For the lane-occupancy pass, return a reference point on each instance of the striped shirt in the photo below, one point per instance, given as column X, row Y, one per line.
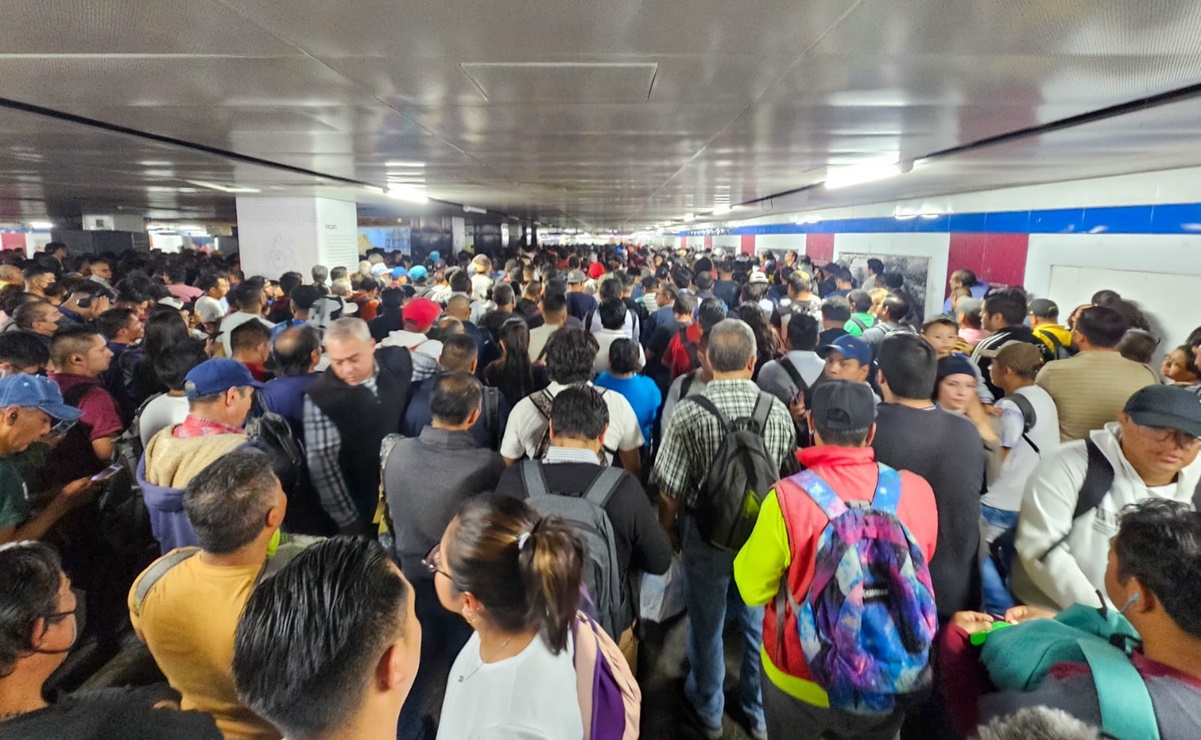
column 1091, row 389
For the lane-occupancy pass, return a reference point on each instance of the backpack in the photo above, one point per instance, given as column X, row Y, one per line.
column 692, row 348
column 610, row 700
column 739, row 477
column 272, row 434
column 586, row 514
column 869, row 620
column 795, row 376
column 1019, row 658
column 1057, row 350
column 1029, row 418
column 860, row 323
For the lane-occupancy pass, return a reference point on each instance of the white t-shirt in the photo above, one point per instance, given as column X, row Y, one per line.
column 1006, row 491
column 605, row 339
column 162, row 412
column 526, row 425
column 531, row 696
column 208, row 309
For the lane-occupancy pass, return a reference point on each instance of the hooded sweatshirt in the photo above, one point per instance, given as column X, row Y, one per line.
column 1075, row 571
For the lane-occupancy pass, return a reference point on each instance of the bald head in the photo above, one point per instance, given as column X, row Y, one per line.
column 459, row 306
column 297, row 350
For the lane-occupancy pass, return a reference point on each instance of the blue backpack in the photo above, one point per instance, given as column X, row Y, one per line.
column 869, row 619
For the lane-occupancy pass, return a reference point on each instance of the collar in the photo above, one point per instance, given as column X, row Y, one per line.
column 556, row 386
column 555, row 454
column 206, row 427
column 829, row 455
column 737, row 384
column 73, row 378
column 455, row 440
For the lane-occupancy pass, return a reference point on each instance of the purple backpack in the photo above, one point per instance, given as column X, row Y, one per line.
column 869, row 619
column 610, row 700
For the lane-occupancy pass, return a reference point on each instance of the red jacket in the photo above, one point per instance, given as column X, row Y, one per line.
column 852, row 474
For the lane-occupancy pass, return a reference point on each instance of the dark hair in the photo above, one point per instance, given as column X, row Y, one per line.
column 112, row 321
column 69, row 340
column 1104, row 297
column 22, row 349
column 570, row 354
column 455, row 396
column 1159, row 543
column 704, row 280
column 1134, row 316
column 1103, row 327
column 172, row 366
column 897, row 305
column 1140, row 346
column 650, row 284
column 249, row 335
column 609, row 290
column 553, row 302
column 893, row 280
column 624, row 357
column 247, row 295
column 860, row 300
column 765, row 337
column 34, row 268
column 681, row 277
column 30, row 576
column 579, row 412
column 612, row 313
column 294, row 348
column 711, row 312
column 458, row 352
column 502, row 294
column 228, row 500
column 28, row 313
column 909, row 364
column 513, row 373
column 289, row 282
column 209, row 280
column 965, row 276
column 535, row 586
column 1009, row 302
column 803, row 332
column 390, row 299
column 311, row 636
column 836, row 308
column 460, row 281
column 875, row 265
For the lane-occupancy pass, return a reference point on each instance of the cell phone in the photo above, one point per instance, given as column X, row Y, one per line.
column 107, row 473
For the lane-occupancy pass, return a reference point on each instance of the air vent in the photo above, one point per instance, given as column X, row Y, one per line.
column 563, row 82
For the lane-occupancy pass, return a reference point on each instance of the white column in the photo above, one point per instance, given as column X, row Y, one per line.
column 277, row 235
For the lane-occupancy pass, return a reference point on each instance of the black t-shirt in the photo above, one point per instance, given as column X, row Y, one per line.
column 494, row 320
column 947, row 451
column 638, row 537
column 112, row 714
column 728, row 291
column 829, row 335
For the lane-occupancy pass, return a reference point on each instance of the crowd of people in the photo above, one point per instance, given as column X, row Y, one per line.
column 446, row 498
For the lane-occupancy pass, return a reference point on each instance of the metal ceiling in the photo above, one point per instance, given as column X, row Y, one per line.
column 629, row 112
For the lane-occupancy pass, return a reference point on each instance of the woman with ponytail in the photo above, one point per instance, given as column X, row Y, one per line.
column 515, row 577
column 513, row 374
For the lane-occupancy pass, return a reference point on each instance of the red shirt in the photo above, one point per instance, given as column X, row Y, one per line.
column 257, row 371
column 97, row 404
column 852, row 474
column 194, row 426
column 676, row 357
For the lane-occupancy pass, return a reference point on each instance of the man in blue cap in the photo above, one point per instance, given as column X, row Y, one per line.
column 847, row 358
column 31, row 405
column 220, row 392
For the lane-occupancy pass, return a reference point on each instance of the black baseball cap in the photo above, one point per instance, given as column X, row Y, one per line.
column 842, row 406
column 1166, row 407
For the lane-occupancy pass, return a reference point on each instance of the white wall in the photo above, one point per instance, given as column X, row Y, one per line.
column 780, row 243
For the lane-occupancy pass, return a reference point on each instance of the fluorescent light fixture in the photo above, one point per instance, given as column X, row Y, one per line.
column 224, row 188
column 41, row 225
column 722, row 209
column 412, row 195
column 844, row 177
column 373, row 189
column 414, row 165
column 689, row 217
column 473, row 209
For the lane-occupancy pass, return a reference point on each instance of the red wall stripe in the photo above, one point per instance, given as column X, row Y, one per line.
column 820, row 247
column 996, row 258
column 748, row 244
column 708, row 242
column 10, row 240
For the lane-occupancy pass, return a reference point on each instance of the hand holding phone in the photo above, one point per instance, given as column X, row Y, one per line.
column 107, row 473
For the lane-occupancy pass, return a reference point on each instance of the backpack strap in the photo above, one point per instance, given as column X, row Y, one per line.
column 543, row 402
column 534, row 479
column 794, row 375
column 603, row 486
column 821, row 494
column 686, row 384
column 1126, row 707
column 860, row 323
column 1029, row 418
column 708, row 405
column 491, row 409
column 155, row 573
column 888, row 490
column 694, row 357
column 1098, row 479
column 762, row 411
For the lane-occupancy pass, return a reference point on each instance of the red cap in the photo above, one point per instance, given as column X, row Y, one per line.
column 595, row 270
column 421, row 313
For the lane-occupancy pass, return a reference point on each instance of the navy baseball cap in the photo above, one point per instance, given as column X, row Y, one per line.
column 842, row 406
column 217, row 376
column 852, row 348
column 1166, row 407
column 34, row 391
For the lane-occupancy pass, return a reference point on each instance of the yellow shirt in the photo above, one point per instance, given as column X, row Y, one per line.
column 188, row 621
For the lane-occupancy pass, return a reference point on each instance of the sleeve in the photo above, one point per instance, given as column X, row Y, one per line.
column 964, row 679
column 512, row 446
column 771, row 380
column 100, row 411
column 673, row 467
column 323, row 445
column 650, row 548
column 669, row 403
column 766, row 557
column 1045, row 519
column 14, row 509
column 1012, row 424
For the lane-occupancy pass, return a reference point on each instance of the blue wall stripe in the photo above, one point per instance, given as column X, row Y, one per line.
column 1178, row 218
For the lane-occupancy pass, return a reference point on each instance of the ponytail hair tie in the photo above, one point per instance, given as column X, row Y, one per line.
column 523, row 538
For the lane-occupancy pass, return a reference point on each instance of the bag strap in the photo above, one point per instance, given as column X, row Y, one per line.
column 822, row 495
column 603, row 486
column 797, row 381
column 762, row 411
column 888, row 490
column 491, row 408
column 686, row 384
column 860, row 323
column 708, row 405
column 1098, row 479
column 155, row 573
column 1029, row 419
column 1126, row 707
column 534, row 479
column 694, row 357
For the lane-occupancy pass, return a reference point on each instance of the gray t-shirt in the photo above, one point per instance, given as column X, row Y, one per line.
column 160, row 413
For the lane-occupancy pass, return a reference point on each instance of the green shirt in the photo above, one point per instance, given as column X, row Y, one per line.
column 14, row 496
column 853, row 328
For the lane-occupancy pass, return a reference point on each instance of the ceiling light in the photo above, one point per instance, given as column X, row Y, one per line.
column 689, row 217
column 41, row 225
column 188, row 190
column 722, row 209
column 224, row 188
column 843, row 177
column 411, row 195
column 373, row 189
column 473, row 209
column 417, row 165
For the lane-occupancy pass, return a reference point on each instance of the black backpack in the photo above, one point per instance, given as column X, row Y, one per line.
column 1029, row 420
column 1057, row 350
column 802, row 388
column 741, row 474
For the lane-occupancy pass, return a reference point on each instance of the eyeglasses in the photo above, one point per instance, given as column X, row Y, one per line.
column 62, row 427
column 1178, row 438
column 433, row 562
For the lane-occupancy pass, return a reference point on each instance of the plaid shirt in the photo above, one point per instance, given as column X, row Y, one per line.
column 693, row 435
column 323, row 445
